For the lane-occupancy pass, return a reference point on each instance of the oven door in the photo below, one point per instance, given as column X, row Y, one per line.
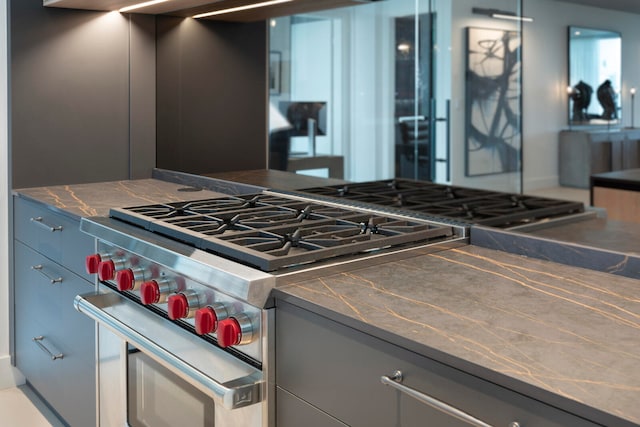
column 152, row 373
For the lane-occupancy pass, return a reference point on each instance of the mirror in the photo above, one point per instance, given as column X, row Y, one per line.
column 594, row 76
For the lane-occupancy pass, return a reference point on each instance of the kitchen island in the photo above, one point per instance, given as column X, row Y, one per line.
column 563, row 336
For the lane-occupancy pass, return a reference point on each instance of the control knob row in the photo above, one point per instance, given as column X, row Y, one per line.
column 130, row 277
column 182, row 303
column 230, row 329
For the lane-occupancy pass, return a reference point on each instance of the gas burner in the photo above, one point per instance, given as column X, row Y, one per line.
column 465, row 205
column 271, row 232
column 278, row 247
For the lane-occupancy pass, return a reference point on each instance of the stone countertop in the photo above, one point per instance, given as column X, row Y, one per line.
column 599, row 232
column 625, row 179
column 597, row 244
column 275, row 179
column 95, row 199
column 563, row 335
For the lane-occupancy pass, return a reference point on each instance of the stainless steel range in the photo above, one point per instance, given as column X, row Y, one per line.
column 185, row 296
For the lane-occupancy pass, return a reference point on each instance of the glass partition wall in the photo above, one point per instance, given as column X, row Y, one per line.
column 419, row 89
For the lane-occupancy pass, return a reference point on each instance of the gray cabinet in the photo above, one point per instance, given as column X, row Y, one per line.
column 338, row 370
column 54, row 344
column 583, row 153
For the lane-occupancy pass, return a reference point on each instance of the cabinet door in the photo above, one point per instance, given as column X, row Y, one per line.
column 339, row 370
column 47, row 327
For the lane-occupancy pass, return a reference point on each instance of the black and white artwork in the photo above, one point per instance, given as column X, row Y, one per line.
column 493, row 101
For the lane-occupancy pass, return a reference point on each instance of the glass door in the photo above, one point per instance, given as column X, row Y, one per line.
column 413, row 93
column 418, row 89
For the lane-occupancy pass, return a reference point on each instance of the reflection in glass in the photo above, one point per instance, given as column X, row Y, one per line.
column 594, row 76
column 388, row 72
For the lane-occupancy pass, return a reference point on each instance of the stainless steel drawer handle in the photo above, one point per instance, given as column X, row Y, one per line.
column 38, row 341
column 395, row 380
column 40, row 221
column 40, row 270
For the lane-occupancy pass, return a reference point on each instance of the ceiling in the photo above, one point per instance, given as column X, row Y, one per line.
column 632, row 6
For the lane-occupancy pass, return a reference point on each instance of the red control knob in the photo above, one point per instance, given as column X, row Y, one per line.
column 91, row 263
column 150, row 292
column 106, row 270
column 178, row 306
column 229, row 332
column 206, row 321
column 125, row 280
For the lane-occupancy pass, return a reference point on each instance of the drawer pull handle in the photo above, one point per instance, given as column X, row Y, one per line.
column 52, row 279
column 40, row 221
column 395, row 380
column 38, row 341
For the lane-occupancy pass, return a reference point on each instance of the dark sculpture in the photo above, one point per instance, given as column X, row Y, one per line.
column 581, row 97
column 607, row 98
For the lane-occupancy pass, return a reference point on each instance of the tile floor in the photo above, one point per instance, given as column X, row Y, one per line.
column 20, row 407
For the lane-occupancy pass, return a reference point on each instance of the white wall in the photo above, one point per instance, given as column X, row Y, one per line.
column 546, row 73
column 9, row 376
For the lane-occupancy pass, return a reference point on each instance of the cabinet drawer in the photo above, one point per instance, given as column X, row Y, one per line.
column 339, row 370
column 293, row 412
column 52, row 234
column 45, row 309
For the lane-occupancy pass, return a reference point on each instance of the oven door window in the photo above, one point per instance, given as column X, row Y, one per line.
column 159, row 398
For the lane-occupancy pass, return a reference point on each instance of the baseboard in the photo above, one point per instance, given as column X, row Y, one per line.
column 10, row 376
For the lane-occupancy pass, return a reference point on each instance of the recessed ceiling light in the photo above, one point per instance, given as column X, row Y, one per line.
column 239, row 8
column 141, row 5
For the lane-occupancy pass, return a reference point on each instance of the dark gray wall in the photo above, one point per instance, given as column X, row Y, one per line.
column 87, row 89
column 211, row 95
column 77, row 113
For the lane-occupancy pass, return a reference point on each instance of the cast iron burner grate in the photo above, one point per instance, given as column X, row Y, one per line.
column 464, row 205
column 271, row 232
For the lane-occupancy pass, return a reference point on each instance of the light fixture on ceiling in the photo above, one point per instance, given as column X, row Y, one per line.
column 141, row 5
column 501, row 14
column 240, row 8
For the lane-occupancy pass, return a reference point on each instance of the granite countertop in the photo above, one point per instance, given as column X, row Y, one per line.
column 95, row 199
column 597, row 244
column 564, row 335
column 599, row 232
column 627, row 178
column 275, row 179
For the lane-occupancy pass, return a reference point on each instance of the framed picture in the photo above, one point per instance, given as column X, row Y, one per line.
column 275, row 68
column 493, row 102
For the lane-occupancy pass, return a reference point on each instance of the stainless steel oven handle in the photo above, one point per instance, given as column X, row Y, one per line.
column 396, row 378
column 245, row 392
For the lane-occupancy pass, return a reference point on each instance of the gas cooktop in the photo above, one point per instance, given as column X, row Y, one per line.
column 270, row 232
column 458, row 204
